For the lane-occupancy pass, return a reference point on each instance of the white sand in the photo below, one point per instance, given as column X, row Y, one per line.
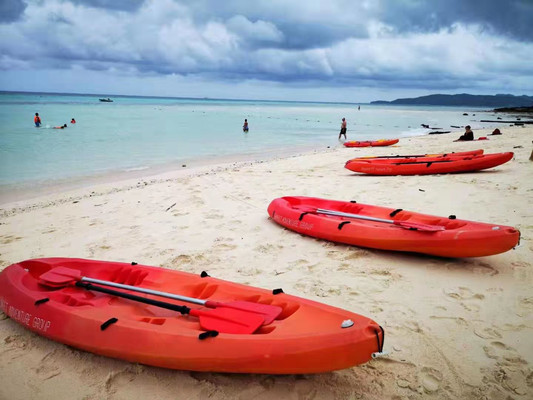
column 455, row 328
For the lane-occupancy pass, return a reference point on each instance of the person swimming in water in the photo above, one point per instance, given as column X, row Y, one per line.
column 72, row 121
column 37, row 120
column 60, row 127
column 245, row 126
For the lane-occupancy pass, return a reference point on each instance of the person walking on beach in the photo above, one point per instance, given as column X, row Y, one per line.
column 468, row 135
column 245, row 126
column 343, row 129
column 37, row 120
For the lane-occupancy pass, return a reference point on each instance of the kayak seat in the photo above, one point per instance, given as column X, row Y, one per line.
column 127, row 276
column 287, row 308
column 351, row 208
column 450, row 223
column 202, row 290
column 78, row 299
column 265, row 329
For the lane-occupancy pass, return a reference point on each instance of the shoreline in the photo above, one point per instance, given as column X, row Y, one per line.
column 455, row 328
column 28, row 190
column 16, row 192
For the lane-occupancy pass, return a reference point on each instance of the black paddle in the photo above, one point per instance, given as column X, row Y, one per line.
column 63, row 276
column 224, row 320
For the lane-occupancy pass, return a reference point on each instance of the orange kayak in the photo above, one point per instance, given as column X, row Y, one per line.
column 388, row 229
column 428, row 165
column 63, row 299
column 369, row 143
column 451, row 154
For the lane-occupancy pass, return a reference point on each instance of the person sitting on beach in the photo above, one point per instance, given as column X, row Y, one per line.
column 468, row 135
column 343, row 129
column 37, row 120
column 72, row 121
column 496, row 132
column 245, row 126
column 60, row 127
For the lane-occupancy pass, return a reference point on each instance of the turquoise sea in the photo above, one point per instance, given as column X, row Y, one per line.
column 136, row 133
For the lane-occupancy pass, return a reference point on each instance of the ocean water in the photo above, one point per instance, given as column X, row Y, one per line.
column 135, row 133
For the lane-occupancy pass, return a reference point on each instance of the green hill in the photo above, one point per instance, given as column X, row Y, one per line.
column 499, row 100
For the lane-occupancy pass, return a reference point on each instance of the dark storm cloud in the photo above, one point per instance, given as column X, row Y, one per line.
column 511, row 18
column 305, row 24
column 122, row 5
column 309, row 35
column 11, row 10
column 380, row 43
column 308, row 24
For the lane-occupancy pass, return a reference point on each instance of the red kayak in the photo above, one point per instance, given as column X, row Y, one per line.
column 428, row 165
column 451, row 154
column 92, row 305
column 369, row 143
column 388, row 229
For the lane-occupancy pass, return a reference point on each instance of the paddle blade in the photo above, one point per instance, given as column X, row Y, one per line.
column 60, row 276
column 267, row 311
column 228, row 320
column 419, row 227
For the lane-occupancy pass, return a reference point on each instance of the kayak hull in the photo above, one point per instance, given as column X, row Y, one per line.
column 428, row 165
column 306, row 337
column 370, row 143
column 460, row 238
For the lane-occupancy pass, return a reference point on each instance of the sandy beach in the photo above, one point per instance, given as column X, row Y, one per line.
column 455, row 328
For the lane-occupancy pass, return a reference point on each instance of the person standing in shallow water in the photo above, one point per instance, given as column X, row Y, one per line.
column 37, row 120
column 343, row 129
column 245, row 126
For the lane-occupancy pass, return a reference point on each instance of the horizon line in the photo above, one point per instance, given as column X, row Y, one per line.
column 179, row 98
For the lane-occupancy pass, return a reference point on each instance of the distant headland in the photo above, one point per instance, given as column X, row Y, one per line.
column 499, row 100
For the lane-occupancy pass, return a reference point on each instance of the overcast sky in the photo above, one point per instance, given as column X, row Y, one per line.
column 323, row 50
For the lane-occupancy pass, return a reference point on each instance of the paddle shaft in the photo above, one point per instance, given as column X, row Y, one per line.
column 348, row 215
column 174, row 307
column 411, row 156
column 228, row 321
column 403, row 224
column 144, row 290
column 63, row 276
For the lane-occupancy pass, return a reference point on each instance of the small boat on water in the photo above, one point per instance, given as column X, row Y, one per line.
column 108, row 100
column 228, row 328
column 428, row 165
column 389, row 229
column 371, row 143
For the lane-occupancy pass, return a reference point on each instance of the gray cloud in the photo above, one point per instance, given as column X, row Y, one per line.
column 510, row 18
column 405, row 44
column 307, row 24
column 122, row 5
column 11, row 10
